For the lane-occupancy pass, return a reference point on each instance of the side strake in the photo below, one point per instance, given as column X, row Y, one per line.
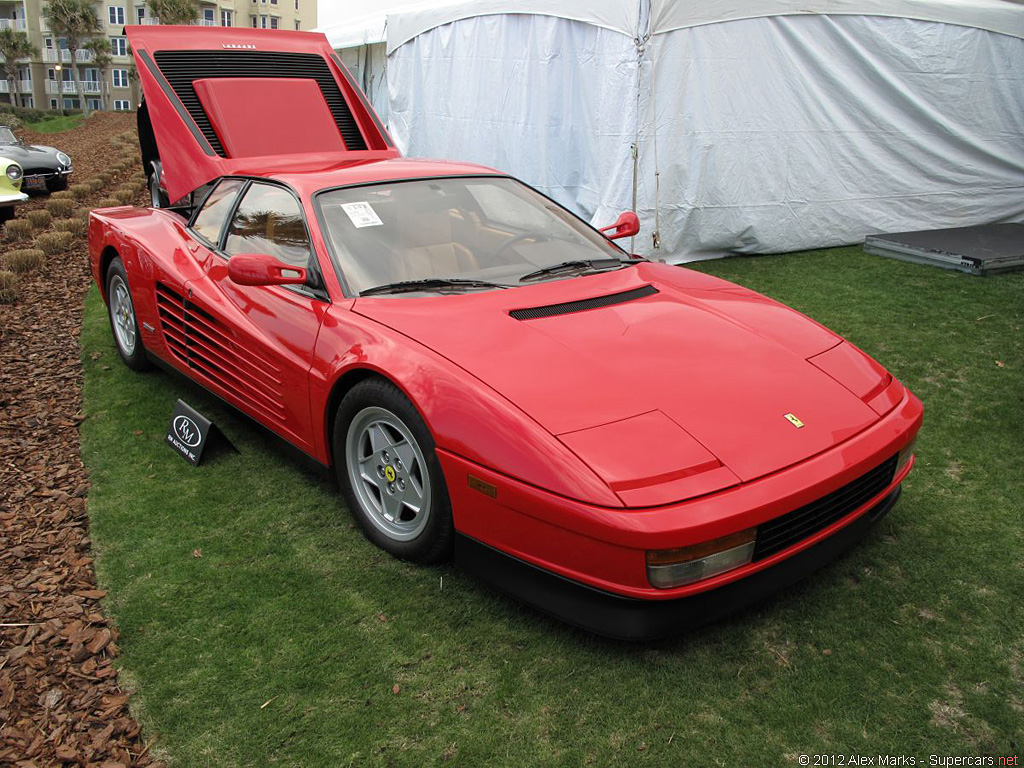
column 234, row 100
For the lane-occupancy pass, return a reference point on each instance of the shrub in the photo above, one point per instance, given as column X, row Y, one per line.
column 83, row 214
column 18, row 229
column 97, row 184
column 61, row 208
column 39, row 218
column 124, row 196
column 78, row 191
column 77, row 227
column 108, row 202
column 53, row 242
column 62, row 194
column 23, row 260
column 105, row 177
column 8, row 287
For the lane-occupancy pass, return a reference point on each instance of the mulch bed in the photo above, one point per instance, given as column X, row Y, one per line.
column 60, row 702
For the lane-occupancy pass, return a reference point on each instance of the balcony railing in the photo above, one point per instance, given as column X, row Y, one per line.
column 18, row 24
column 68, row 87
column 63, row 55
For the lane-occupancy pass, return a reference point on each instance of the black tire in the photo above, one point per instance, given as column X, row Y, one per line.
column 57, row 184
column 134, row 355
column 433, row 541
column 6, row 213
column 157, row 197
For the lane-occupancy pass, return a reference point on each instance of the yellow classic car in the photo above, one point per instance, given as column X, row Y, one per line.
column 10, row 188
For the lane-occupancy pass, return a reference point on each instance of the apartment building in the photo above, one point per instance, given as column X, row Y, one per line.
column 47, row 81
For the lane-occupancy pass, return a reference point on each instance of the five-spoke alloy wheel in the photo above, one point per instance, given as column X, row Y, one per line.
column 385, row 461
column 123, row 322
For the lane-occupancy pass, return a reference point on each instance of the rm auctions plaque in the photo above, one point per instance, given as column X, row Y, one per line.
column 190, row 432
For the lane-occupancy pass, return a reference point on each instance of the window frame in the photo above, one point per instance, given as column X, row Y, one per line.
column 117, row 73
column 115, row 11
column 127, row 105
column 319, row 291
column 121, row 44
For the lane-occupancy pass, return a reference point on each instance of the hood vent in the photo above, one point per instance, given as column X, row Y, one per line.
column 181, row 68
column 582, row 305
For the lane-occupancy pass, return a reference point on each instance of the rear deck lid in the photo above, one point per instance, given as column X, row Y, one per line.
column 219, row 99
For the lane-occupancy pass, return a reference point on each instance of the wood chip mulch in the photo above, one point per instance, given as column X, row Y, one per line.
column 60, row 702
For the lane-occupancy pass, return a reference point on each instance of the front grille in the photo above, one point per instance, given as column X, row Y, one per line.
column 181, row 68
column 34, row 172
column 782, row 532
column 207, row 346
column 581, row 305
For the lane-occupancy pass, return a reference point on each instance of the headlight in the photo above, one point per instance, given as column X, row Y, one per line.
column 63, row 159
column 668, row 568
column 14, row 172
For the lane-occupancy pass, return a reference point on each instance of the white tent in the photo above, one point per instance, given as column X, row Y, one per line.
column 736, row 126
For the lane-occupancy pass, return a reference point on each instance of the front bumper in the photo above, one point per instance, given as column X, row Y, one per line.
column 603, row 549
column 626, row 618
column 12, row 198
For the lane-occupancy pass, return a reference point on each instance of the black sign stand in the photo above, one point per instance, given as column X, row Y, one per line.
column 190, row 434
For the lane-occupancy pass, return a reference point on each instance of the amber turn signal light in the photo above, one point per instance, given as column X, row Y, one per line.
column 684, row 565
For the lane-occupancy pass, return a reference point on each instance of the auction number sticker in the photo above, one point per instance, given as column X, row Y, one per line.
column 362, row 215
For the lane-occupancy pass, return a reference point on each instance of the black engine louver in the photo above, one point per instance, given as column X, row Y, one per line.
column 181, row 68
column 582, row 305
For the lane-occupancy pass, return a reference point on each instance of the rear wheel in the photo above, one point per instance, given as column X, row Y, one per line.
column 57, row 184
column 123, row 323
column 157, row 197
column 387, row 468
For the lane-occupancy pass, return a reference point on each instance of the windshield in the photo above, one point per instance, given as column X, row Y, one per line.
column 491, row 229
column 7, row 135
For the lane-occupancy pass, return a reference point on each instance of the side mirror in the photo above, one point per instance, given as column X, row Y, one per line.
column 627, row 225
column 260, row 269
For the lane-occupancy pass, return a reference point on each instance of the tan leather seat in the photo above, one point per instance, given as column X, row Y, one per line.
column 429, row 250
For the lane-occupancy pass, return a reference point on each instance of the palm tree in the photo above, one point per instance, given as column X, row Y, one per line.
column 14, row 46
column 101, row 57
column 76, row 22
column 175, row 11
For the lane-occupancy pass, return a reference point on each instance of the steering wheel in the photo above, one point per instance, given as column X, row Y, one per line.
column 536, row 236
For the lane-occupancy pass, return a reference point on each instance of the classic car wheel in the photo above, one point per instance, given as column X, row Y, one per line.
column 57, row 184
column 388, row 470
column 122, row 318
column 157, row 197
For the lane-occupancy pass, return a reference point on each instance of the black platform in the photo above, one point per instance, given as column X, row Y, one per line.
column 983, row 250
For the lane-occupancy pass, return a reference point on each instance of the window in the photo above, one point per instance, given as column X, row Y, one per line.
column 140, row 15
column 275, row 22
column 53, row 103
column 119, row 78
column 90, row 75
column 116, row 14
column 118, row 46
column 71, row 103
column 296, row 5
column 208, row 17
column 26, row 101
column 273, row 2
column 254, row 20
column 225, row 18
column 210, row 219
column 48, row 42
column 298, row 24
column 122, row 105
column 269, row 220
column 94, row 104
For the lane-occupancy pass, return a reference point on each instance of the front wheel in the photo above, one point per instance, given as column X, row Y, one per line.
column 123, row 322
column 388, row 470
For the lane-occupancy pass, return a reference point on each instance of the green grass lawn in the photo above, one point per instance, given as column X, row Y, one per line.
column 283, row 643
column 56, row 124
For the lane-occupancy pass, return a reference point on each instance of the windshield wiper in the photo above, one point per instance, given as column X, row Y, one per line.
column 430, row 284
column 576, row 265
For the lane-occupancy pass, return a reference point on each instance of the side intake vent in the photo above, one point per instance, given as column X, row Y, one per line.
column 205, row 345
column 182, row 67
column 582, row 305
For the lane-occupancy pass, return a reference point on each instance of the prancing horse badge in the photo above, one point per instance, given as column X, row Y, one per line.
column 792, row 419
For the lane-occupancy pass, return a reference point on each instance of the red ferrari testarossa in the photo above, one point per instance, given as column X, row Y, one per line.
column 634, row 447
